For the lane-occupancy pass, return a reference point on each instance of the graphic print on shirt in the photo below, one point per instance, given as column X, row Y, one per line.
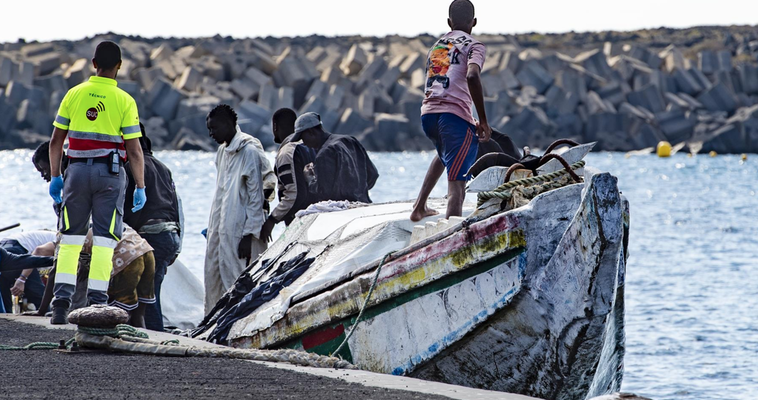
column 444, row 55
column 93, row 112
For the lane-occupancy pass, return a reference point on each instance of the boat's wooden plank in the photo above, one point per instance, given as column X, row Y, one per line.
column 405, row 336
column 474, row 244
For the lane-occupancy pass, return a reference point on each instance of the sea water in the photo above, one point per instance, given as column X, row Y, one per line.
column 691, row 290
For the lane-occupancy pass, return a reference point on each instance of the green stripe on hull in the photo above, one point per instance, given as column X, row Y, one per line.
column 441, row 284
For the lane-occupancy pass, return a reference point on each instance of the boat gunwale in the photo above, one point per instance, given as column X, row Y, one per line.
column 590, row 207
column 475, row 217
column 390, row 258
column 507, row 218
column 516, row 256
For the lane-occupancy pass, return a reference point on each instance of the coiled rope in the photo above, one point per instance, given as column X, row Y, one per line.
column 120, row 331
column 502, row 191
column 126, row 338
column 38, row 346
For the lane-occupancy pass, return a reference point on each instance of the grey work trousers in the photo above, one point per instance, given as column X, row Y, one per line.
column 89, row 191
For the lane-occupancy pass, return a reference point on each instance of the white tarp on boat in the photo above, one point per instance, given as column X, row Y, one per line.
column 181, row 297
column 343, row 242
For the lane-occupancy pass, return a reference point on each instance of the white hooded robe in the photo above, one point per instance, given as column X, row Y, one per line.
column 237, row 210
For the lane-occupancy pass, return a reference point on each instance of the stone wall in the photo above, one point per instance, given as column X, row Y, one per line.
column 627, row 90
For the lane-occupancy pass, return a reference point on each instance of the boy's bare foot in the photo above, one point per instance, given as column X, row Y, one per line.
column 421, row 212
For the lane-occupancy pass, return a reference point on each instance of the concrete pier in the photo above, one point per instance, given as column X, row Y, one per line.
column 45, row 373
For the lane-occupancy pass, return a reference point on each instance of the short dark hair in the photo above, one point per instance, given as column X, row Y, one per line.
column 42, row 153
column 224, row 111
column 285, row 117
column 144, row 141
column 461, row 12
column 107, row 55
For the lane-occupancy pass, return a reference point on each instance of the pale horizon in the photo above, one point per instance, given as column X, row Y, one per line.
column 77, row 19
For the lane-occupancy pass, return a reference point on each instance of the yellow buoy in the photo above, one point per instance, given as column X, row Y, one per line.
column 663, row 149
column 743, row 157
column 712, row 153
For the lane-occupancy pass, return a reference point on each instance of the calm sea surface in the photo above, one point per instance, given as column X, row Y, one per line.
column 692, row 295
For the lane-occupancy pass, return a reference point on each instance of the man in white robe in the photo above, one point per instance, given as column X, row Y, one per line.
column 237, row 212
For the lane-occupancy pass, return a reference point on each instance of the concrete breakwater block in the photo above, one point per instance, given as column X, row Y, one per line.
column 624, row 93
column 650, row 98
column 164, row 99
column 718, row 98
column 354, row 61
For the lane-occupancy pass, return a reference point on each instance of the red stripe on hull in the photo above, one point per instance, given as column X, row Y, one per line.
column 322, row 336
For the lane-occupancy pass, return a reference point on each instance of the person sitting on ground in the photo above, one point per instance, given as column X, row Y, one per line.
column 291, row 160
column 453, row 83
column 158, row 222
column 342, row 169
column 10, row 262
column 237, row 211
column 23, row 282
column 131, row 285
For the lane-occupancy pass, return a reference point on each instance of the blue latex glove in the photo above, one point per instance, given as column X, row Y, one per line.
column 56, row 187
column 139, row 199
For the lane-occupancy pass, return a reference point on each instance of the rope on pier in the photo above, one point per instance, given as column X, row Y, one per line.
column 128, row 339
column 365, row 302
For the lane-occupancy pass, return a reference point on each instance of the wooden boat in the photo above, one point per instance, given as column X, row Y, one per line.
column 527, row 301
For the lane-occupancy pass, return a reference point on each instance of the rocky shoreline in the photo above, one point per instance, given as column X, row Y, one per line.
column 627, row 90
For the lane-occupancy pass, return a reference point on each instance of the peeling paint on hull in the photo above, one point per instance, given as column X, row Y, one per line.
column 456, row 253
column 529, row 301
column 562, row 338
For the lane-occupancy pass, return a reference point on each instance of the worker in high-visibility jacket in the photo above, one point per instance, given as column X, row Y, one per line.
column 102, row 126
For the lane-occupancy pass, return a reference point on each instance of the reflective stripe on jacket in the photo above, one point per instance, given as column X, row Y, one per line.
column 98, row 117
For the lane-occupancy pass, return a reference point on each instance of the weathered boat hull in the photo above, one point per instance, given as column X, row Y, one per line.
column 563, row 338
column 529, row 301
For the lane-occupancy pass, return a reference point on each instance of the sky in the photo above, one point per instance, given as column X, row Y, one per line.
column 45, row 20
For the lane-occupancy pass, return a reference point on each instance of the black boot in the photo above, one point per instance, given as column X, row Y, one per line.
column 60, row 315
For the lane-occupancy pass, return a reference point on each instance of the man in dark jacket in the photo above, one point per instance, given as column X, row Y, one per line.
column 342, row 169
column 10, row 262
column 291, row 160
column 158, row 222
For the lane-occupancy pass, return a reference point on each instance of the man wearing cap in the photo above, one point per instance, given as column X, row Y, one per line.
column 102, row 126
column 342, row 169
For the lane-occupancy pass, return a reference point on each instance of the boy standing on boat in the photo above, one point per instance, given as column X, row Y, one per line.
column 453, row 83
